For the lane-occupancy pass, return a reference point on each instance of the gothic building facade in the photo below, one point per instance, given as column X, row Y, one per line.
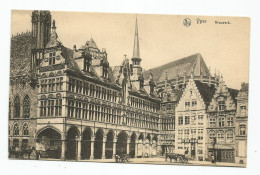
column 220, row 125
column 71, row 104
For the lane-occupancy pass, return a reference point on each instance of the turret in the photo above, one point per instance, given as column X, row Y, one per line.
column 41, row 31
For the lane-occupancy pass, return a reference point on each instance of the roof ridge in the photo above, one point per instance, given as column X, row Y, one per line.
column 180, row 59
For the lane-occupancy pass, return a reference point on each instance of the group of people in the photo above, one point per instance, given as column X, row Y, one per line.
column 25, row 153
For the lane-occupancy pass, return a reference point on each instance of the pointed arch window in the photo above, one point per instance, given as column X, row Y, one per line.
column 16, row 129
column 26, row 107
column 17, row 107
column 25, row 129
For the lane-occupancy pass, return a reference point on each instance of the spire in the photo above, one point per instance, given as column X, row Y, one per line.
column 54, row 35
column 54, row 42
column 136, row 53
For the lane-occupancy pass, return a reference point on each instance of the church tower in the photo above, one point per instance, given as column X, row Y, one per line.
column 136, row 60
column 41, row 31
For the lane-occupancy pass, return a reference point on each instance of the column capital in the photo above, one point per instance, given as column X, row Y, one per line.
column 128, row 140
column 104, row 138
column 115, row 139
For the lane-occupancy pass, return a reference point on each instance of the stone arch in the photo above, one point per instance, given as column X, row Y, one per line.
column 86, row 139
column 74, row 128
column 48, row 140
column 141, row 136
column 98, row 144
column 148, row 137
column 155, row 137
column 72, row 137
column 44, row 128
column 132, row 145
column 121, row 145
column 109, row 144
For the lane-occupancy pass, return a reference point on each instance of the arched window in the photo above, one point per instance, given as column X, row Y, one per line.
column 221, row 136
column 17, row 107
column 16, row 130
column 212, row 135
column 25, row 129
column 242, row 129
column 230, row 135
column 26, row 107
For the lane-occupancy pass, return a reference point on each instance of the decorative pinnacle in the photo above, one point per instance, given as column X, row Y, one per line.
column 53, row 25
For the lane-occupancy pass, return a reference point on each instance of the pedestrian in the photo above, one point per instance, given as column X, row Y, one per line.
column 186, row 152
column 212, row 158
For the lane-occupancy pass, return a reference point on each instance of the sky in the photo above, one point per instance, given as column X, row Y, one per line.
column 163, row 38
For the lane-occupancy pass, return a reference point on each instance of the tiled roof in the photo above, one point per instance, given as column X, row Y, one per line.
column 180, row 68
column 54, row 41
column 91, row 43
column 206, row 91
column 20, row 54
column 177, row 93
column 233, row 93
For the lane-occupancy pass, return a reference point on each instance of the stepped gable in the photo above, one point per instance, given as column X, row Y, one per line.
column 206, row 91
column 179, row 68
column 20, row 54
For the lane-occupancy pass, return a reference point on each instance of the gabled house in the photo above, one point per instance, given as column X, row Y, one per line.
column 220, row 124
column 190, row 119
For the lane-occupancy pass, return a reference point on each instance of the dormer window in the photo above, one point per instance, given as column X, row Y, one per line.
column 243, row 110
column 221, row 105
column 52, row 57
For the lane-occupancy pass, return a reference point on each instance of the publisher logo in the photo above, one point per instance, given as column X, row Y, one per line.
column 187, row 22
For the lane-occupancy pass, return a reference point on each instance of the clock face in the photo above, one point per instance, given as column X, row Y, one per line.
column 211, row 107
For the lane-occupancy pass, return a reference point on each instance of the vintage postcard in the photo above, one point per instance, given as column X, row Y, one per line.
column 129, row 88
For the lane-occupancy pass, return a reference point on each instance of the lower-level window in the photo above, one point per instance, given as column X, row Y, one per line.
column 16, row 143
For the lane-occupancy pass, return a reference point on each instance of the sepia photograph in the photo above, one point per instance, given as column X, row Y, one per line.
column 128, row 88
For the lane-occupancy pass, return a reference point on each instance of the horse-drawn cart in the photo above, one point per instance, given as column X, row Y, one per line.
column 177, row 158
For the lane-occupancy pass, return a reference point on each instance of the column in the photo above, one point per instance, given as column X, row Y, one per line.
column 104, row 148
column 63, row 148
column 92, row 148
column 136, row 148
column 114, row 147
column 79, row 149
column 127, row 146
column 150, row 150
column 143, row 147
